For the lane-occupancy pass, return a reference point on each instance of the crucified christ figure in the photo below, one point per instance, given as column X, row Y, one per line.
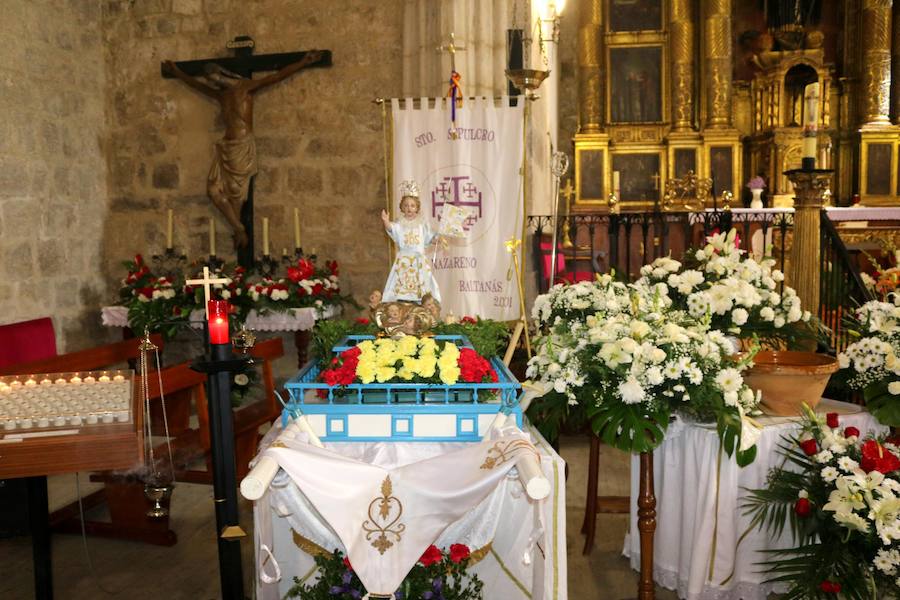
column 234, row 160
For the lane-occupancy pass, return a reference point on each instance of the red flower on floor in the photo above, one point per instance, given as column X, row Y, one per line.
column 459, row 552
column 876, row 457
column 431, row 556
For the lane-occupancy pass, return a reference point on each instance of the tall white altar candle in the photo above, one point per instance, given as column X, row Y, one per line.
column 265, row 236
column 212, row 236
column 616, row 184
column 811, row 119
column 169, row 230
column 296, row 228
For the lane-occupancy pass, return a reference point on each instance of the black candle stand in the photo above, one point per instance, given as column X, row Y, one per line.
column 218, row 366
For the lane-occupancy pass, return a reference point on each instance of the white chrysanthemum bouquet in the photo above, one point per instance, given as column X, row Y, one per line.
column 873, row 362
column 627, row 358
column 739, row 293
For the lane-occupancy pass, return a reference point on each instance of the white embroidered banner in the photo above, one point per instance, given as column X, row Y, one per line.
column 478, row 171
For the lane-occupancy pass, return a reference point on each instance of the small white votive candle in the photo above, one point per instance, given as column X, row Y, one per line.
column 75, row 420
column 15, row 384
column 122, row 416
column 104, row 379
column 119, row 378
column 76, row 380
column 90, row 379
column 30, row 383
column 43, row 422
column 59, row 421
column 46, row 382
column 9, row 425
column 91, row 419
column 107, row 418
column 60, row 381
column 25, row 423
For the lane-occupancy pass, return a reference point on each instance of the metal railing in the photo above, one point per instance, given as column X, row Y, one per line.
column 600, row 242
column 841, row 290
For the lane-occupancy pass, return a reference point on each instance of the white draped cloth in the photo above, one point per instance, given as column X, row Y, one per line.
column 385, row 503
column 699, row 517
column 296, row 319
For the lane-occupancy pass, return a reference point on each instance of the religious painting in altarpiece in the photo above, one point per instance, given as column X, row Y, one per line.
column 639, row 176
column 635, row 85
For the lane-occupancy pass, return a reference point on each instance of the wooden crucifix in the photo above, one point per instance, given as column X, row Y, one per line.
column 229, row 81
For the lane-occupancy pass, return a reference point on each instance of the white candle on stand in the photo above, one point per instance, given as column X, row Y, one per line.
column 212, row 236
column 616, row 184
column 265, row 236
column 811, row 120
column 169, row 230
column 296, row 228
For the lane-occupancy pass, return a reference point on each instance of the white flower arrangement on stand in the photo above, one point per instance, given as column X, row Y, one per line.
column 626, row 358
column 873, row 362
column 739, row 293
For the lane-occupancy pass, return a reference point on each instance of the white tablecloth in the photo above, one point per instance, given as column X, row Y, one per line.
column 691, row 532
column 297, row 319
column 505, row 523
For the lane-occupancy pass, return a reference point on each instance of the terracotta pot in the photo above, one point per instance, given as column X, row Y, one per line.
column 790, row 379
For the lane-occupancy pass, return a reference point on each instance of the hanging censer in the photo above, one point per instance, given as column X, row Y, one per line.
column 157, row 487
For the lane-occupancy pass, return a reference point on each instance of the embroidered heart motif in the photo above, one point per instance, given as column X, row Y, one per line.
column 384, row 515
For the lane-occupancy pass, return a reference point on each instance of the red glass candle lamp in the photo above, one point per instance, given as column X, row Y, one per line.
column 218, row 321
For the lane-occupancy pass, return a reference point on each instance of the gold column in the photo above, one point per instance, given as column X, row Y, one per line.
column 717, row 29
column 876, row 67
column 895, row 66
column 804, row 273
column 590, row 77
column 682, row 48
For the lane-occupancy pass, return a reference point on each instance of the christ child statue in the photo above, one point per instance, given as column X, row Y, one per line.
column 411, row 276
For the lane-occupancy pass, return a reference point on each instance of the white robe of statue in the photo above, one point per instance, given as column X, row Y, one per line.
column 411, row 276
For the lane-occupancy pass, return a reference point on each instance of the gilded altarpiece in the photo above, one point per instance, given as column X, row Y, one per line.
column 645, row 105
column 778, row 114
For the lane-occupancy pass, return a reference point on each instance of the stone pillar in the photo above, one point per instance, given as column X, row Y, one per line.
column 895, row 66
column 717, row 33
column 876, row 64
column 809, row 185
column 590, row 77
column 682, row 49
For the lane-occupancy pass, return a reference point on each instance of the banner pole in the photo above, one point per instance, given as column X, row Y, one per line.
column 388, row 160
column 520, row 272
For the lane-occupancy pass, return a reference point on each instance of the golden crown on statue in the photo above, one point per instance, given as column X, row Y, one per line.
column 409, row 188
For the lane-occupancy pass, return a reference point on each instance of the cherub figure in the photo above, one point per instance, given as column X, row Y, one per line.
column 411, row 276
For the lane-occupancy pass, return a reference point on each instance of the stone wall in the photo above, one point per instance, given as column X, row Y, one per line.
column 53, row 197
column 319, row 135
